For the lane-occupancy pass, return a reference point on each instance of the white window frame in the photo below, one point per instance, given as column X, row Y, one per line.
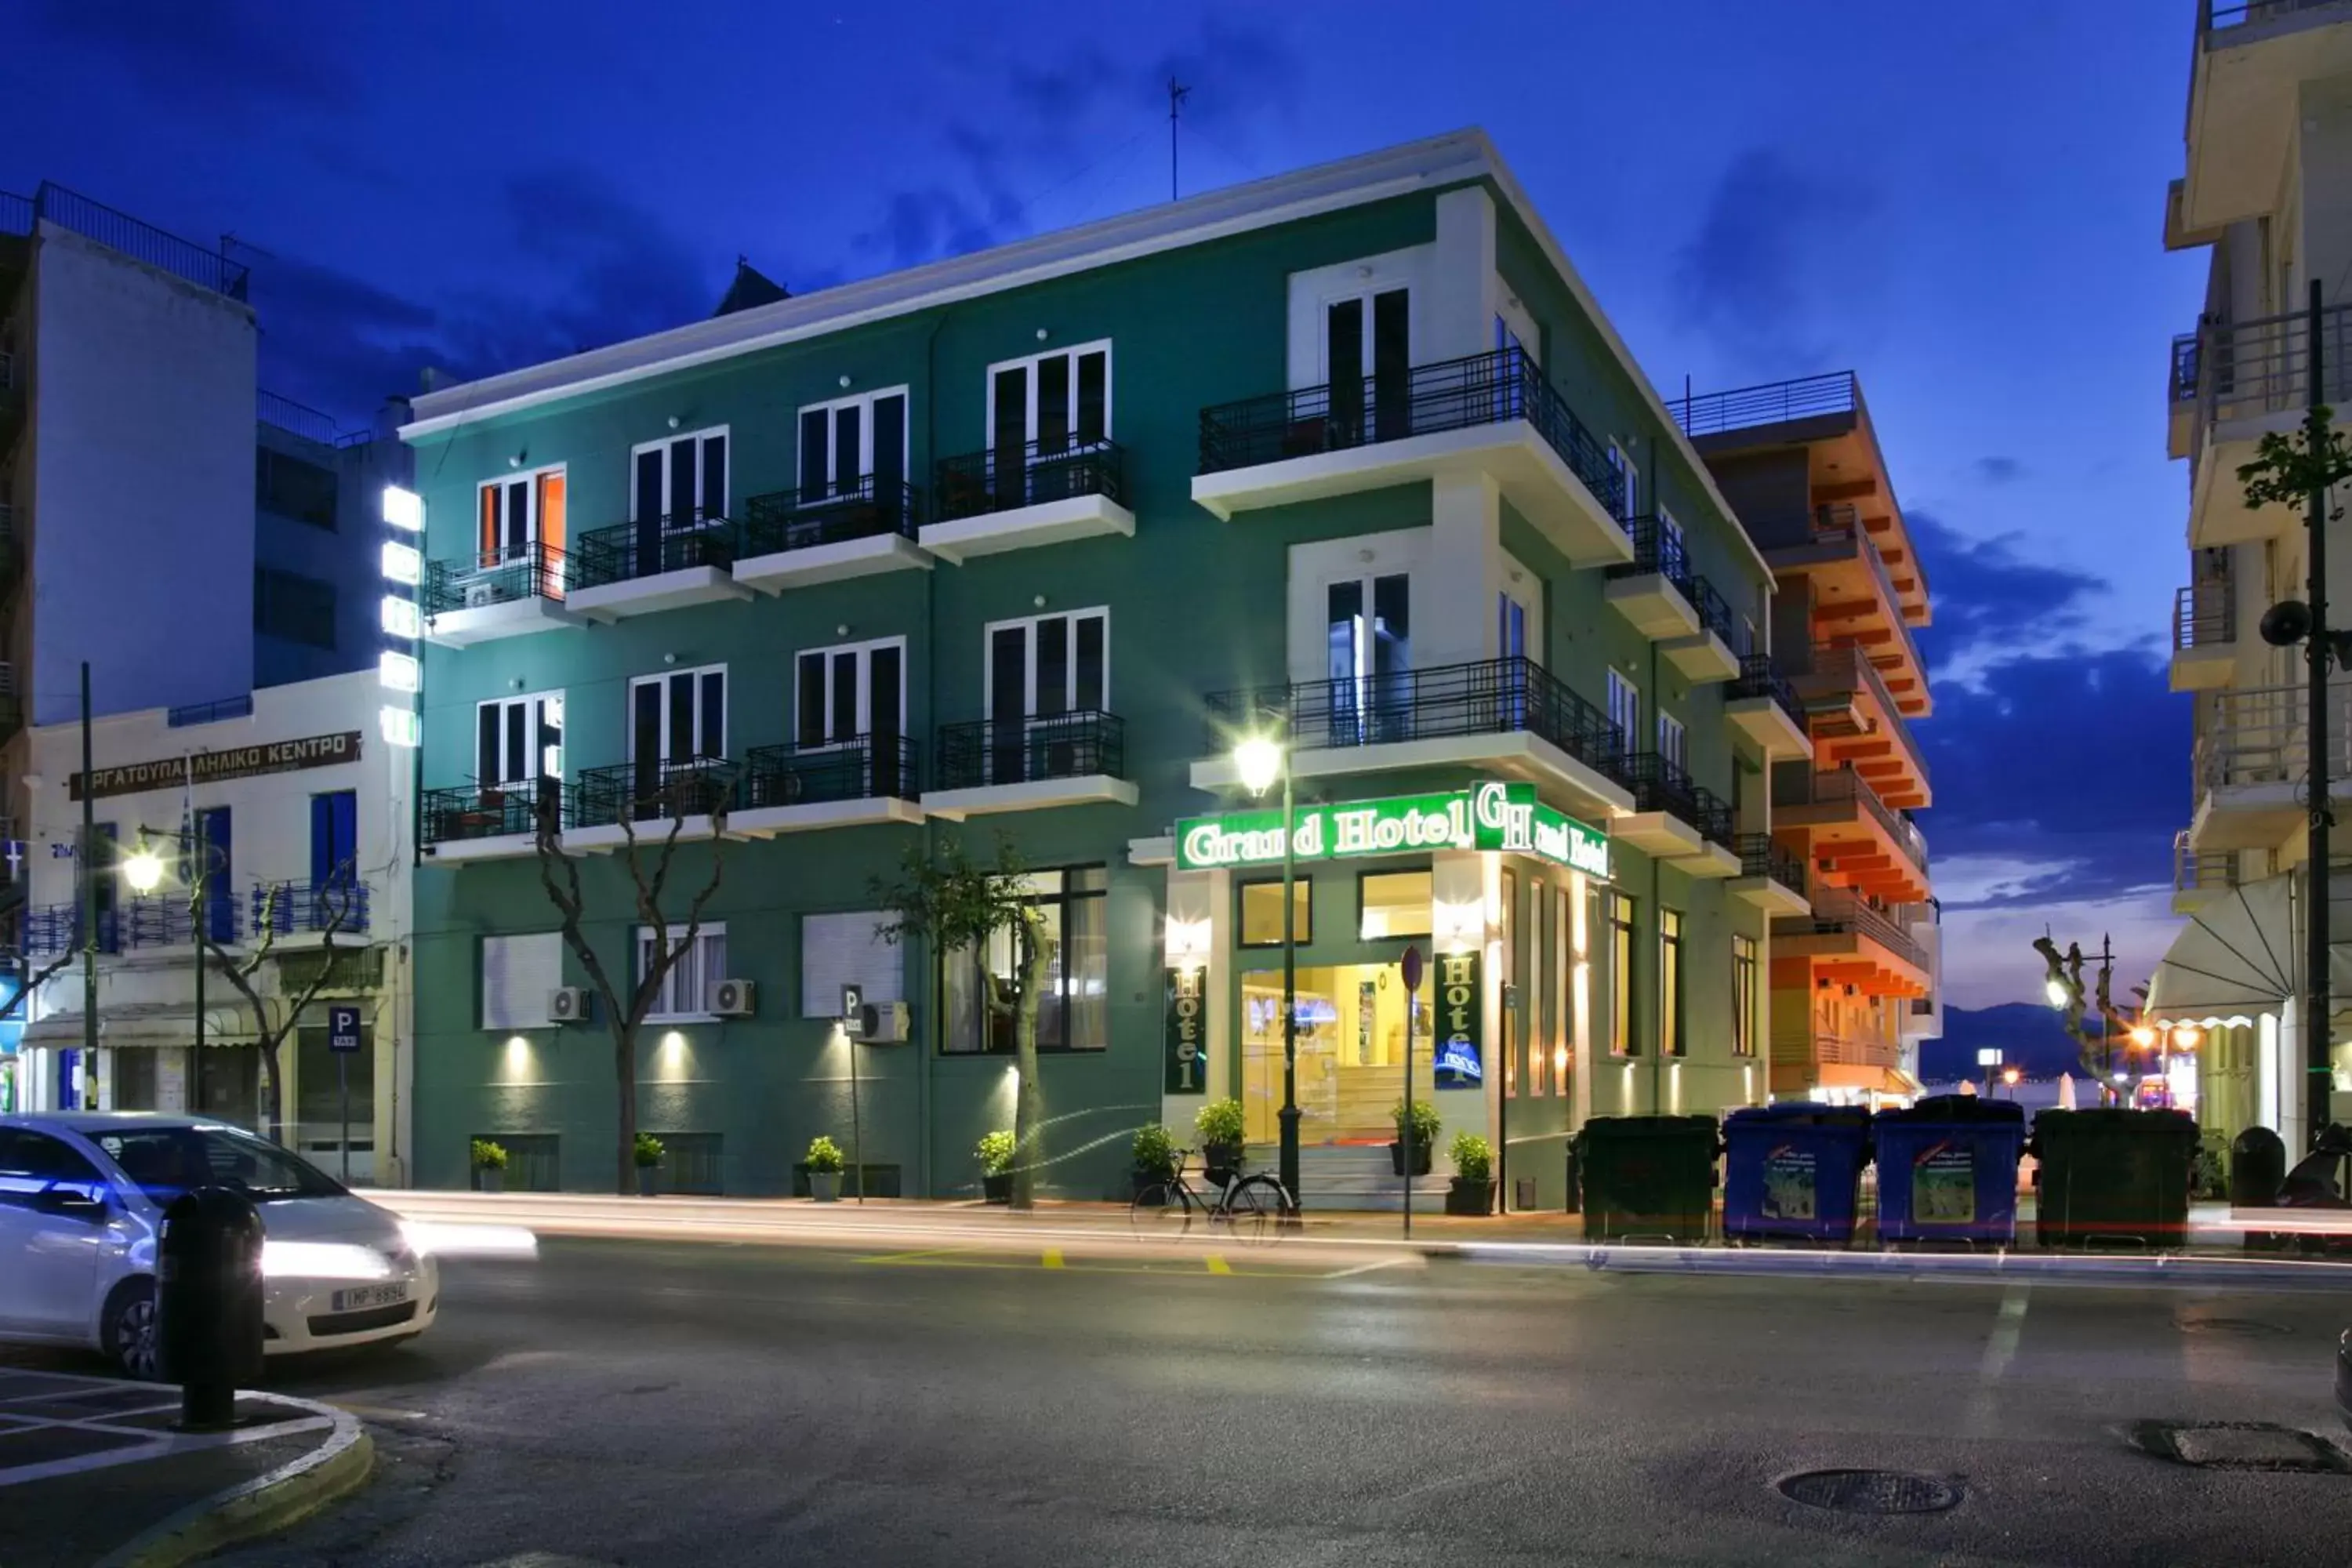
column 1030, row 363
column 1674, row 740
column 528, row 702
column 1365, row 585
column 1029, row 655
column 865, row 651
column 662, row 679
column 527, row 476
column 864, row 402
column 710, row 937
column 1625, row 694
column 1621, row 458
column 670, row 474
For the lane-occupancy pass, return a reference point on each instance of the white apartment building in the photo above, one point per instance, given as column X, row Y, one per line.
column 304, row 817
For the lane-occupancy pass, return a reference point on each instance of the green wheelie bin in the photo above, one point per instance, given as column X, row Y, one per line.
column 1648, row 1178
column 2110, row 1174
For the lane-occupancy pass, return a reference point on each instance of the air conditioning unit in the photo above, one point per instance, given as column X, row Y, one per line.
column 480, row 594
column 569, row 1005
column 885, row 1024
column 734, row 998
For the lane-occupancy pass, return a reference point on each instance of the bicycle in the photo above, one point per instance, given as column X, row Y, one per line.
column 1251, row 1206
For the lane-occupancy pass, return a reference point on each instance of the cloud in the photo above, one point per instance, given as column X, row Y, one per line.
column 1998, row 470
column 1993, row 599
column 221, row 56
column 1768, row 253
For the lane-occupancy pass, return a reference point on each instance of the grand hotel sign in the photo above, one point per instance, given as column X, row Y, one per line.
column 1491, row 814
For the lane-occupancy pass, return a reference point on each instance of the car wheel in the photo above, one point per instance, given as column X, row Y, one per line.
column 128, row 1330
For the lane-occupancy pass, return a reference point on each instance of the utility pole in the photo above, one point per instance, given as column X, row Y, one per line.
column 1176, row 97
column 2319, row 647
column 89, row 892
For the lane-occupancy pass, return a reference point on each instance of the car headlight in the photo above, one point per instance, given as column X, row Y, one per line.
column 322, row 1260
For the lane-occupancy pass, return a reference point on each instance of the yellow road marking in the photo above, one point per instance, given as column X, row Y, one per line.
column 1052, row 1258
column 912, row 1256
column 1218, row 1265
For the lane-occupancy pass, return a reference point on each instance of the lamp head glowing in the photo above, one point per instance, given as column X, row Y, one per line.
column 2143, row 1037
column 2056, row 991
column 143, row 868
column 1258, row 761
column 2009, row 1075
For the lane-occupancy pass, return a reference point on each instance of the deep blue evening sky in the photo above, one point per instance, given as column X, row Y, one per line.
column 1964, row 203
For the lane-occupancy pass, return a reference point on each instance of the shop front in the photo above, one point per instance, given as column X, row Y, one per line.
column 1498, row 890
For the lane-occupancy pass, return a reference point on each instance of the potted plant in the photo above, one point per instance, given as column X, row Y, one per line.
column 1155, row 1158
column 995, row 1152
column 490, row 1161
column 1220, row 1125
column 1473, row 1191
column 1425, row 1125
column 823, row 1164
column 648, row 1158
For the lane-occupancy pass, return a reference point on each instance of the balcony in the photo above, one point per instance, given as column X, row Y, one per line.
column 50, row 929
column 1854, row 837
column 482, row 822
column 643, row 568
column 789, row 789
column 1763, row 706
column 1713, row 652
column 2200, row 876
column 2254, row 59
column 830, row 533
column 681, row 799
column 1491, row 414
column 492, row 594
column 1833, row 397
column 2252, row 764
column 1676, row 820
column 1857, row 602
column 1509, row 716
column 1039, row 494
column 2180, row 394
column 1848, row 941
column 293, row 912
column 1023, row 765
column 1771, row 877
column 1856, row 722
column 2253, row 380
column 169, row 921
column 1654, row 590
column 2204, row 635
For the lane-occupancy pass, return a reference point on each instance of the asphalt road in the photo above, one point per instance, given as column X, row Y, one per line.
column 644, row 1404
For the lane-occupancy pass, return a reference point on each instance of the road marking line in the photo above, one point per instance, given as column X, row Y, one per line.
column 1052, row 1258
column 1218, row 1265
column 2000, row 1349
column 1366, row 1268
column 912, row 1256
column 376, row 1412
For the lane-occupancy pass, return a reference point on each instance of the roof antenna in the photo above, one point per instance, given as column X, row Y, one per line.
column 1176, row 97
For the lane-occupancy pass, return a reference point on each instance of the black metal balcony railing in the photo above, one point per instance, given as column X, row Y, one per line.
column 2222, row 14
column 1716, row 614
column 1661, row 784
column 337, row 906
column 1658, row 547
column 1488, row 696
column 1773, row 402
column 1839, row 910
column 1761, row 856
column 1758, row 678
column 979, row 483
column 2204, row 614
column 1018, row 751
column 2182, row 381
column 501, row 577
column 862, row 508
column 1452, row 395
column 119, row 231
column 633, row 791
column 628, row 551
column 491, row 810
column 867, row 767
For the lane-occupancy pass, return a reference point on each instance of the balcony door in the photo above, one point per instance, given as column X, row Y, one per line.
column 1045, row 413
column 1047, row 675
column 1369, row 638
column 516, row 514
column 854, row 450
column 1368, row 360
column 679, row 484
column 853, row 695
column 674, row 719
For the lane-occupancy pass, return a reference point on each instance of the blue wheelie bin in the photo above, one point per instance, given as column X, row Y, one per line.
column 1947, row 1169
column 1794, row 1171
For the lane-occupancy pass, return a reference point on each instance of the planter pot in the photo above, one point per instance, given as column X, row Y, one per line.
column 824, row 1186
column 1419, row 1159
column 1142, row 1182
column 1468, row 1198
column 997, row 1189
column 1222, row 1161
column 487, row 1181
column 648, row 1180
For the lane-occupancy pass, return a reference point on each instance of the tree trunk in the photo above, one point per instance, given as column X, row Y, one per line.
column 275, row 1088
column 624, row 1077
column 1028, row 1105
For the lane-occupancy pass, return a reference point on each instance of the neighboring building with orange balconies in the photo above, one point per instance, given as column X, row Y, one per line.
column 1855, row 972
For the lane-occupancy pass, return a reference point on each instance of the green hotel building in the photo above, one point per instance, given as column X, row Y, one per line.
column 1024, row 543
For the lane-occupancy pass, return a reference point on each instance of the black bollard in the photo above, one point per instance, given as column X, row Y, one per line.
column 208, row 1303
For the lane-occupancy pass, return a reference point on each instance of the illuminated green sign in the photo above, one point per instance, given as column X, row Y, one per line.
column 1506, row 817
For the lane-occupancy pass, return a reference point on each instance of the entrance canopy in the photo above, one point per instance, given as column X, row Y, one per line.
column 2240, row 957
column 1491, row 814
column 147, row 1026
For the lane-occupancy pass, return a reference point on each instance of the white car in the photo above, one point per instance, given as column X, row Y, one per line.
column 81, row 1203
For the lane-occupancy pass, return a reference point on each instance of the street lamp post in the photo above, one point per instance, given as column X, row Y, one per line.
column 1258, row 759
column 144, row 871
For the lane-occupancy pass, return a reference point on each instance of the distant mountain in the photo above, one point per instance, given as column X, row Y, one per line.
column 2029, row 1036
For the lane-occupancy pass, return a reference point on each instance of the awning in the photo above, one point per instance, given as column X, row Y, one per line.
column 147, row 1026
column 2242, row 956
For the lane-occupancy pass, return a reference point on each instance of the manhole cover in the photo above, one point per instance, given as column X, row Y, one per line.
column 2241, row 1445
column 2229, row 1326
column 1870, row 1492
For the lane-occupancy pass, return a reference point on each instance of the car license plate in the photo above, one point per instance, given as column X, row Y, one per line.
column 362, row 1297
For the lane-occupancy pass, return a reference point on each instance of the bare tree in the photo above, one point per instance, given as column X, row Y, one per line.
column 39, row 978
column 958, row 907
column 624, row 1011
column 276, row 1018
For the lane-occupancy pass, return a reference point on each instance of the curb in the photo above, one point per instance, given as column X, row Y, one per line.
column 258, row 1507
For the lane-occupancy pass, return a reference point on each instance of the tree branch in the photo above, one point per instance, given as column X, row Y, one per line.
column 39, row 979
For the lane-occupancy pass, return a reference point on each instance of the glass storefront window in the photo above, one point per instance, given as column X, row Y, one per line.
column 1393, row 904
column 1352, row 1019
column 1622, row 1039
column 1074, row 1013
column 1262, row 913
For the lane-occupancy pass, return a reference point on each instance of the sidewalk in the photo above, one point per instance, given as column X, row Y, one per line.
column 91, row 1472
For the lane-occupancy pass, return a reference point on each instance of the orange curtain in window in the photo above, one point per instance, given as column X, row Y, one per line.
column 490, row 524
column 551, row 531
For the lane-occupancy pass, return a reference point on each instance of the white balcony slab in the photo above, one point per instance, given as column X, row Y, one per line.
column 1704, row 658
column 502, row 618
column 1541, row 485
column 605, row 837
column 837, row 562
column 1763, row 720
column 1712, row 863
column 1023, row 527
column 1769, row 894
column 768, row 821
column 678, row 590
column 1658, row 833
column 1029, row 795
column 499, row 846
column 1652, row 603
column 2204, row 668
column 1515, row 753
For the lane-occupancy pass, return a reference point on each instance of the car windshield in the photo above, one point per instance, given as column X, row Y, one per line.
column 167, row 1160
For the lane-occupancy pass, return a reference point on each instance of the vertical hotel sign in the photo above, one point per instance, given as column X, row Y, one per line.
column 1187, row 1066
column 1459, row 1062
column 398, row 666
